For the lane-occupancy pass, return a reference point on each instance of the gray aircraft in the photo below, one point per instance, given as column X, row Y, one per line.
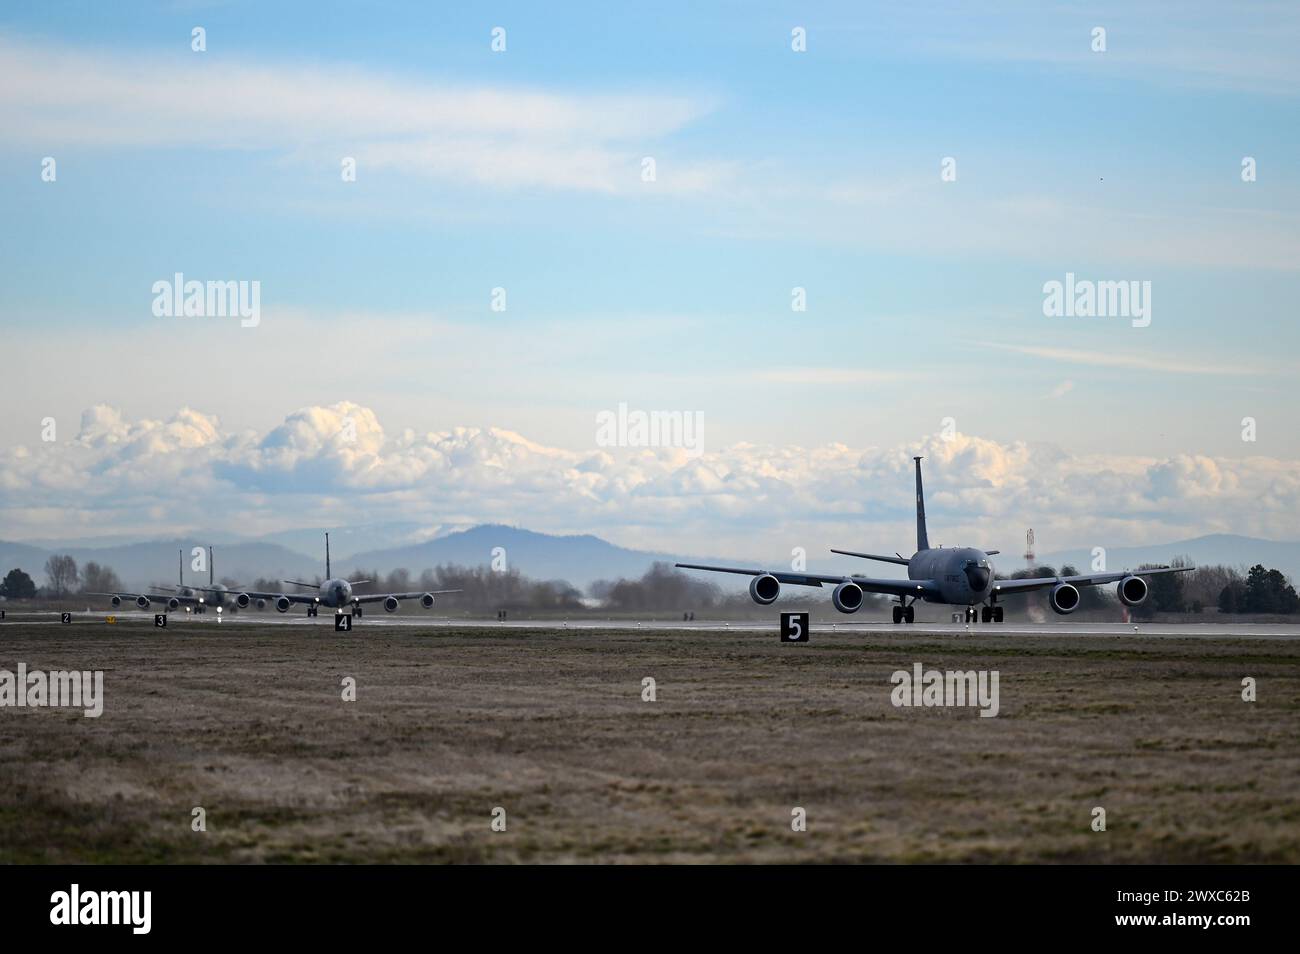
column 197, row 598
column 959, row 576
column 336, row 594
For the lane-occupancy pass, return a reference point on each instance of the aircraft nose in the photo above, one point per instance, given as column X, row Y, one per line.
column 977, row 577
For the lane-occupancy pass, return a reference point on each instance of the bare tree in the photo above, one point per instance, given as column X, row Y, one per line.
column 99, row 579
column 61, row 571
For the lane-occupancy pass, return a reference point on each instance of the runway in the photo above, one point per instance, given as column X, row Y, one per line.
column 1233, row 630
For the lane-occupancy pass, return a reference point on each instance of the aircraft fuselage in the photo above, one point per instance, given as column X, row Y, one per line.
column 335, row 593
column 964, row 574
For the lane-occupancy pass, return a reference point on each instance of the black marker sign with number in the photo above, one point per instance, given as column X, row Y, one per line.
column 794, row 628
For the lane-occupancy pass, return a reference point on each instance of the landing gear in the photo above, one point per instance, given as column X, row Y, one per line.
column 904, row 614
column 970, row 614
column 898, row 615
column 988, row 614
column 311, row 609
column 997, row 614
column 356, row 610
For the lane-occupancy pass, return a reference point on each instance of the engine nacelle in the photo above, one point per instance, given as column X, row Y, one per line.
column 260, row 604
column 173, row 604
column 116, row 601
column 764, row 589
column 1064, row 598
column 847, row 597
column 426, row 600
column 242, row 600
column 142, row 602
column 390, row 604
column 1132, row 590
column 282, row 603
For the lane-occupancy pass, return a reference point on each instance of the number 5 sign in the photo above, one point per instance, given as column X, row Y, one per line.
column 794, row 628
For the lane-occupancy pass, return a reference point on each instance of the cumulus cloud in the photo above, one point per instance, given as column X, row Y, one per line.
column 336, row 466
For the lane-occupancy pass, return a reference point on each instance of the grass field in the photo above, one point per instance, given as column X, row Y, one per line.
column 248, row 723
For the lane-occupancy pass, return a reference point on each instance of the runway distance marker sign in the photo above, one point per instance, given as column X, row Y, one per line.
column 795, row 628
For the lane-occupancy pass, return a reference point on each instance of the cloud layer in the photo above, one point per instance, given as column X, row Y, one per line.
column 56, row 95
column 336, row 466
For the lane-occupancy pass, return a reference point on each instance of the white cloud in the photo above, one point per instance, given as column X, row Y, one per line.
column 129, row 476
column 507, row 137
column 1136, row 361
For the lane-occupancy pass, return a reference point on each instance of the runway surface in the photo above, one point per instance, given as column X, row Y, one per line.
column 1236, row 630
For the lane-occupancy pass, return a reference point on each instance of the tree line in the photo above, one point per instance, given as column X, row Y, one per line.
column 663, row 588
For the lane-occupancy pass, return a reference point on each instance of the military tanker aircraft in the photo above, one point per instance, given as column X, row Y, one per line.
column 959, row 576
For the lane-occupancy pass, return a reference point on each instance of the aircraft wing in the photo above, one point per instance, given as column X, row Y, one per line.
column 1083, row 579
column 152, row 597
column 291, row 597
column 380, row 597
column 868, row 584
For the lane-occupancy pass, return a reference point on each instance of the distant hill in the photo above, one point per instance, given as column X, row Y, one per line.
column 578, row 559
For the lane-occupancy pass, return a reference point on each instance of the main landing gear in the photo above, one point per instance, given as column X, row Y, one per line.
column 904, row 613
column 987, row 614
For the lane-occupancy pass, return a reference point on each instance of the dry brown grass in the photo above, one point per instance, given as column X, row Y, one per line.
column 247, row 721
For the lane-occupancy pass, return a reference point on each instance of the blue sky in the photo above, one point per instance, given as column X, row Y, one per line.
column 775, row 169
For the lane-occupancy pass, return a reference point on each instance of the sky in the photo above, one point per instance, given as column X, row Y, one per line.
column 920, row 171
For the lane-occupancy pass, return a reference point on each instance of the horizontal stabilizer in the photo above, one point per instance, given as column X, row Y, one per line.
column 901, row 560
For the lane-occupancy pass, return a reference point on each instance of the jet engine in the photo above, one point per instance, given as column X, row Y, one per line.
column 847, row 597
column 282, row 603
column 426, row 600
column 173, row 604
column 1132, row 590
column 764, row 588
column 260, row 603
column 142, row 602
column 390, row 604
column 1064, row 598
column 242, row 600
column 116, row 601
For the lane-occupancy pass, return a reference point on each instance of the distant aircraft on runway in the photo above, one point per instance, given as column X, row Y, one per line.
column 188, row 596
column 959, row 576
column 336, row 594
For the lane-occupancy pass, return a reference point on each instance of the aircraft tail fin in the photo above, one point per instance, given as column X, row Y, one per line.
column 328, row 574
column 922, row 538
column 212, row 570
column 180, row 567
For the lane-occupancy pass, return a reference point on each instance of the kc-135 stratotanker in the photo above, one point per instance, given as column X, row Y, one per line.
column 958, row 576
